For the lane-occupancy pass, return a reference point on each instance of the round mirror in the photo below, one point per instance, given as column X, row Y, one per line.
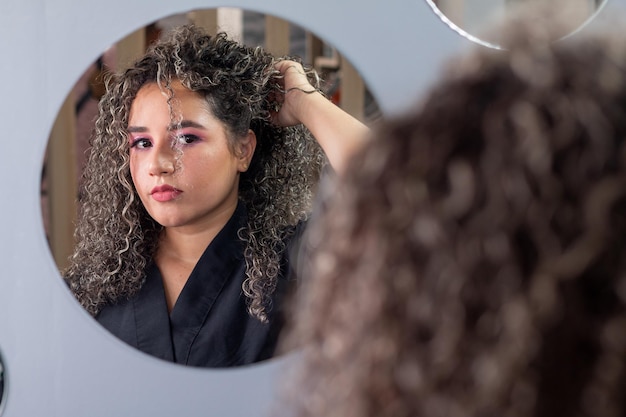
column 146, row 319
column 478, row 20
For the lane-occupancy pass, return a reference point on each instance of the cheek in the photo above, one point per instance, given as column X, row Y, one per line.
column 133, row 166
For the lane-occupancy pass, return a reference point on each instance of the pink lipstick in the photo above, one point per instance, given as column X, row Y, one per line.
column 164, row 193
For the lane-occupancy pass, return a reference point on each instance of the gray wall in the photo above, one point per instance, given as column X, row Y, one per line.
column 57, row 361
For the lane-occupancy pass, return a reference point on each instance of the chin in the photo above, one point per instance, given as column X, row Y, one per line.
column 167, row 222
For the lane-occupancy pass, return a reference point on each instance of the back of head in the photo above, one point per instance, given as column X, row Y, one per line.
column 471, row 261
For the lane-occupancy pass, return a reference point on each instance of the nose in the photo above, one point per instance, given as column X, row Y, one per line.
column 163, row 161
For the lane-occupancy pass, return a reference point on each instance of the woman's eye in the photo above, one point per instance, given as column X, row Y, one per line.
column 141, row 143
column 186, row 139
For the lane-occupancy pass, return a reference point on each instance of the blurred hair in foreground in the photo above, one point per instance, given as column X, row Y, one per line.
column 472, row 261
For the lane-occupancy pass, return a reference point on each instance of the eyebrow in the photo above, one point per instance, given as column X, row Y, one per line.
column 136, row 129
column 184, row 124
column 174, row 126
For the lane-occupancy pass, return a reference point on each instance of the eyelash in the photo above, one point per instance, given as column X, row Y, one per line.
column 187, row 139
column 143, row 143
column 137, row 143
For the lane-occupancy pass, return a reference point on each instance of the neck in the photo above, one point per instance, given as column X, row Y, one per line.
column 186, row 244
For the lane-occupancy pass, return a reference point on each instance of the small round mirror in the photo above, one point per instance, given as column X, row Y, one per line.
column 478, row 19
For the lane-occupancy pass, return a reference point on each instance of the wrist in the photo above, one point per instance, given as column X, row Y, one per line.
column 303, row 99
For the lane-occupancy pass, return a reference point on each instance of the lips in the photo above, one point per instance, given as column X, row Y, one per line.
column 164, row 193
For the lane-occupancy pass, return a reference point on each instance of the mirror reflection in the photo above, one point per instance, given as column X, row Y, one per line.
column 477, row 18
column 192, row 187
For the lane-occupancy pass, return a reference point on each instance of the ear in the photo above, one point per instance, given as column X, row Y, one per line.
column 245, row 150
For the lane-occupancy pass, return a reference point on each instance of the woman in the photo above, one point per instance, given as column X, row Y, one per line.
column 199, row 180
column 472, row 259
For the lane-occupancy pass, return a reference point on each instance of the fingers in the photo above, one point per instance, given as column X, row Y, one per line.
column 286, row 65
column 291, row 70
column 293, row 80
column 294, row 77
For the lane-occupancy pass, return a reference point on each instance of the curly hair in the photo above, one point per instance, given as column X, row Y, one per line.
column 471, row 262
column 116, row 238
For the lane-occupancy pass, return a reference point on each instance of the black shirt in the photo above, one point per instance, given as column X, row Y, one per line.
column 209, row 325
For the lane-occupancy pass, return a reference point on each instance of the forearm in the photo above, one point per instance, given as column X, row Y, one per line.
column 338, row 133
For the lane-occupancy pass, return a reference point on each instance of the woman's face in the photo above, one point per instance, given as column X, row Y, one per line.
column 182, row 166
